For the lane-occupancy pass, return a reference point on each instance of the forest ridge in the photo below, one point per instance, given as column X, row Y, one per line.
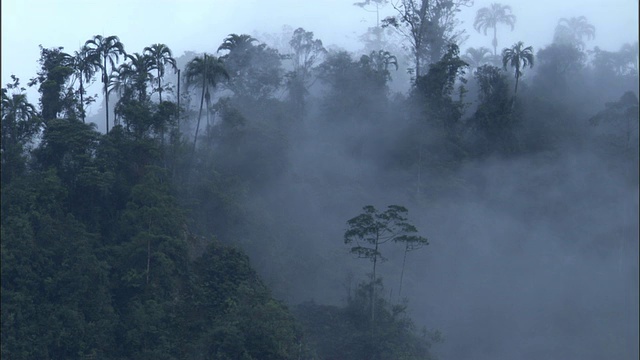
column 192, row 225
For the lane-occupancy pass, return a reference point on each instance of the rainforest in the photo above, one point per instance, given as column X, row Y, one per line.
column 280, row 197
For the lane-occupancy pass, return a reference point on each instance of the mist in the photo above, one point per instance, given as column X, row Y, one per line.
column 533, row 232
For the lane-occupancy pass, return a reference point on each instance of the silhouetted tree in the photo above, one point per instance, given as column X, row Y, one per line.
column 307, row 53
column 490, row 17
column 371, row 229
column 255, row 70
column 56, row 69
column 20, row 123
column 518, row 58
column 430, row 26
column 161, row 57
column 205, row 71
column 85, row 68
column 573, row 30
column 105, row 51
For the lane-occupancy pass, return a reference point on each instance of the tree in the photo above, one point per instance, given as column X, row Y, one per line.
column 558, row 68
column 489, row 18
column 371, row 229
column 436, row 90
column 356, row 91
column 517, row 57
column 440, row 113
column 377, row 30
column 619, row 123
column 476, row 57
column 161, row 56
column 85, row 67
column 430, row 26
column 20, row 123
column 622, row 63
column 573, row 30
column 255, row 70
column 204, row 71
column 235, row 42
column 307, row 52
column 56, row 68
column 344, row 332
column 380, row 61
column 493, row 120
column 105, row 51
column 137, row 72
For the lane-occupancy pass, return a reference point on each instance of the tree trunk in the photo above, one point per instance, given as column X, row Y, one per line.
column 81, row 100
column 159, row 86
column 195, row 138
column 495, row 41
column 373, row 285
column 178, row 102
column 404, row 261
column 106, row 93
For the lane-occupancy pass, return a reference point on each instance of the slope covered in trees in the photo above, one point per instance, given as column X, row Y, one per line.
column 134, row 242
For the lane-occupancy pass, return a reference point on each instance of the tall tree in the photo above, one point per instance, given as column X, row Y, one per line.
column 429, row 25
column 377, row 30
column 371, row 229
column 205, row 71
column 56, row 69
column 161, row 56
column 105, row 51
column 493, row 121
column 255, row 68
column 20, row 123
column 85, row 67
column 518, row 58
column 235, row 42
column 573, row 30
column 490, row 17
column 307, row 52
column 137, row 72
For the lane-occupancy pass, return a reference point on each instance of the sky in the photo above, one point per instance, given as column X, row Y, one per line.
column 201, row 25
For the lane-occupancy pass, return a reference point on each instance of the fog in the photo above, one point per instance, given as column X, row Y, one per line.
column 531, row 256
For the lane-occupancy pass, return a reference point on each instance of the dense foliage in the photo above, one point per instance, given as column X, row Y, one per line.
column 129, row 243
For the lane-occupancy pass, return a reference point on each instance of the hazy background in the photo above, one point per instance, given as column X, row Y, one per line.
column 201, row 25
column 536, row 258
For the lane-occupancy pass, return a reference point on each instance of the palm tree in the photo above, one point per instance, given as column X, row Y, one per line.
column 85, row 67
column 518, row 58
column 161, row 56
column 120, row 83
column 138, row 69
column 237, row 42
column 20, row 123
column 571, row 31
column 204, row 71
column 489, row 18
column 105, row 50
column 476, row 57
column 130, row 80
column 17, row 109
